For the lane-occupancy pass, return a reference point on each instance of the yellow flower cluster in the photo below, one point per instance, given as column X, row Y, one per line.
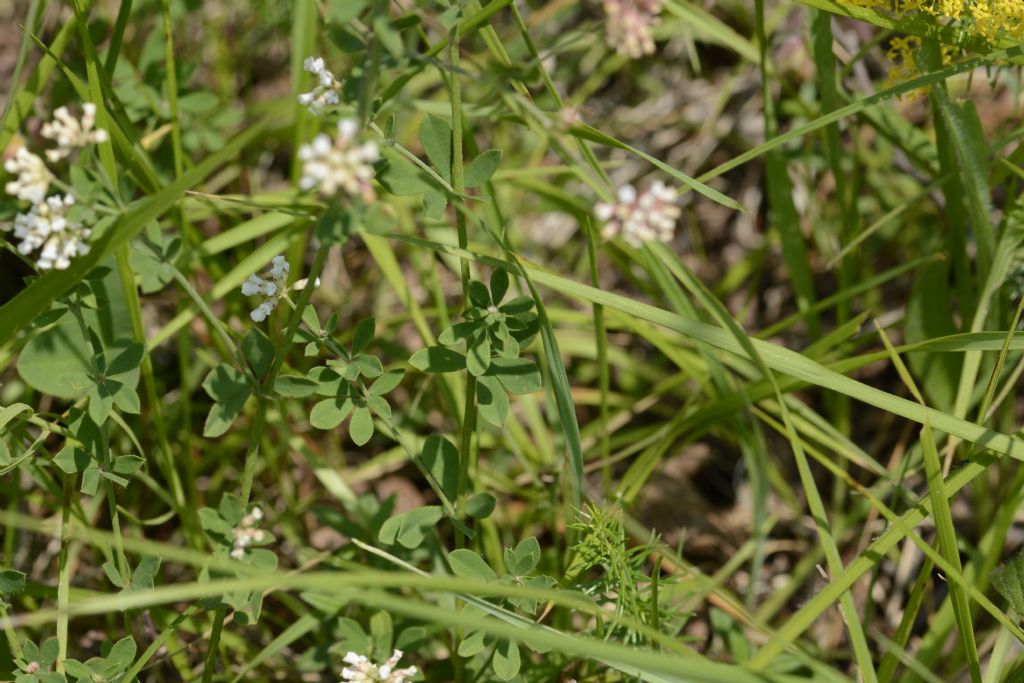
column 994, row 16
column 985, row 19
column 988, row 20
column 901, row 54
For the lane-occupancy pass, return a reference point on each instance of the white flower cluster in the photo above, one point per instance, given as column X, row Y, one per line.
column 46, row 224
column 274, row 289
column 33, row 179
column 69, row 132
column 343, row 166
column 649, row 215
column 629, row 26
column 364, row 671
column 325, row 94
column 246, row 533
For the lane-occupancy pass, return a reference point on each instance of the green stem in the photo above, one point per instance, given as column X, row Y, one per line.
column 165, row 459
column 104, row 448
column 12, row 637
column 601, row 339
column 467, row 458
column 211, row 652
column 63, row 577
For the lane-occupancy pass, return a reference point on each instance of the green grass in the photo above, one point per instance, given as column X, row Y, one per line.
column 782, row 446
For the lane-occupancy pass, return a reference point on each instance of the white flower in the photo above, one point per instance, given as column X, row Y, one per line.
column 246, row 533
column 364, row 671
column 342, row 167
column 274, row 289
column 643, row 217
column 629, row 25
column 33, row 177
column 325, row 94
column 47, row 226
column 69, row 132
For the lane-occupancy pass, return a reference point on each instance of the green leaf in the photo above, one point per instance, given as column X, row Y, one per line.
column 126, row 399
column 478, row 355
column 468, row 565
column 341, row 12
column 492, row 400
column 437, row 359
column 436, row 138
column 144, row 576
column 294, row 386
column 929, row 316
column 441, row 459
column 91, row 479
column 409, row 528
column 518, row 375
column 224, row 384
column 522, row 560
column 122, row 653
column 379, row 406
column 382, row 629
column 49, row 652
column 434, row 203
column 1009, row 581
column 499, row 285
column 329, row 382
column 472, row 644
column 11, row 581
column 8, row 413
column 517, row 306
column 400, row 177
column 258, row 351
column 101, row 400
column 480, row 506
column 367, row 366
column 386, row 382
column 72, row 460
column 231, row 509
column 335, row 225
column 506, row 660
column 480, row 170
column 229, row 388
column 215, row 525
column 388, row 36
column 126, row 361
column 331, row 412
column 458, row 332
column 478, row 294
column 56, row 361
column 75, row 668
column 361, row 426
column 363, row 334
column 128, row 464
column 113, row 575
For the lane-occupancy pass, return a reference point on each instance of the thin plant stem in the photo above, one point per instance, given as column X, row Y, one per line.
column 63, row 576
column 466, row 455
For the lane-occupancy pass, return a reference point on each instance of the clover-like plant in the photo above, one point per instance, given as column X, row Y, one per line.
column 354, row 382
column 109, row 667
column 493, row 335
column 35, row 662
